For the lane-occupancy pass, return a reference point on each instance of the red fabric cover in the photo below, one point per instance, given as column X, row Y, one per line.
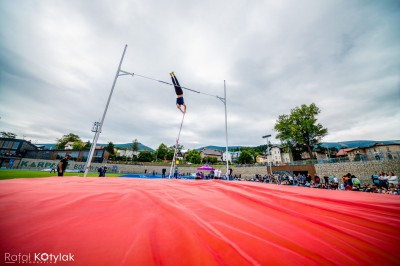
column 121, row 221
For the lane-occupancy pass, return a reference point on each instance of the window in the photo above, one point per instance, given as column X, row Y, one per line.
column 60, row 155
column 85, row 156
column 15, row 145
column 5, row 144
column 74, row 155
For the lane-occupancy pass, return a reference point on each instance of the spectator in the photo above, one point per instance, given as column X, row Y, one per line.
column 102, row 171
column 308, row 179
column 375, row 178
column 347, row 180
column 62, row 165
column 356, row 183
column 212, row 174
column 393, row 179
column 290, row 180
column 383, row 180
column 326, row 180
column 163, row 172
column 53, row 169
column 392, row 189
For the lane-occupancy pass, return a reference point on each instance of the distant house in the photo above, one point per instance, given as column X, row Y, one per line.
column 211, row 153
column 262, row 159
column 378, row 151
column 127, row 153
column 277, row 155
column 387, row 151
column 232, row 156
column 69, row 145
column 344, row 152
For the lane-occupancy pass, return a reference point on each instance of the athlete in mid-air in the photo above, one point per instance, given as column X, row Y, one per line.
column 179, row 93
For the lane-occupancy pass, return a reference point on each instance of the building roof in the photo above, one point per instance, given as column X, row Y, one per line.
column 343, row 152
column 211, row 152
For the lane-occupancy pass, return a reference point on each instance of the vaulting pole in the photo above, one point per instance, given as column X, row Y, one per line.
column 226, row 134
column 176, row 147
column 97, row 134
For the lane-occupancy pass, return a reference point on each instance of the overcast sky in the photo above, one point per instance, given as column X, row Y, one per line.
column 58, row 60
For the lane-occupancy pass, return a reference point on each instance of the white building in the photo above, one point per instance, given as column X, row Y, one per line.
column 127, row 153
column 69, row 145
column 277, row 156
column 232, row 155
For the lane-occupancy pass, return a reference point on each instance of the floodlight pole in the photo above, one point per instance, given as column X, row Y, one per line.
column 268, row 153
column 97, row 134
column 226, row 132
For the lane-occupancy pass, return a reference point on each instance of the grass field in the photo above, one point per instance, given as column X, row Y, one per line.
column 10, row 174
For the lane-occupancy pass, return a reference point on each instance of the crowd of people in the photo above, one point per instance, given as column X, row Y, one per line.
column 381, row 182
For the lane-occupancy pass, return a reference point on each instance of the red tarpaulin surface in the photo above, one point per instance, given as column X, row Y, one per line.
column 118, row 221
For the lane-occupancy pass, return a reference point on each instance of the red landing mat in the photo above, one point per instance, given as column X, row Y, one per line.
column 122, row 221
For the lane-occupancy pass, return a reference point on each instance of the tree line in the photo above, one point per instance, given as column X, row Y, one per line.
column 298, row 131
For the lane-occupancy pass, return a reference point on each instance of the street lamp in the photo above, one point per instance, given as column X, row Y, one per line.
column 268, row 152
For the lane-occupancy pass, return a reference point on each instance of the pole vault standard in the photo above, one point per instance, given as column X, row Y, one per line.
column 99, row 125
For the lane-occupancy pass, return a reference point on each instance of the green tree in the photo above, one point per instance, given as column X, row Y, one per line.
column 65, row 139
column 78, row 145
column 300, row 129
column 111, row 148
column 193, row 156
column 10, row 135
column 210, row 160
column 88, row 145
column 245, row 157
column 135, row 146
column 171, row 150
column 145, row 156
column 162, row 151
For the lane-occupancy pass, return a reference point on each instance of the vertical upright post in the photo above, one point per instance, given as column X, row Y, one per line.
column 268, row 152
column 270, row 161
column 226, row 134
column 92, row 149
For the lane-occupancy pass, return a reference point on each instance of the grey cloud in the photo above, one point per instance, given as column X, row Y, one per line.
column 59, row 58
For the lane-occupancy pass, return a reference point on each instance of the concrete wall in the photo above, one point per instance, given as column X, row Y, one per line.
column 362, row 170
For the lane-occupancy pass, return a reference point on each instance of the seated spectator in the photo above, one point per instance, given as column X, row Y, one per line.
column 375, row 178
column 393, row 179
column 317, row 180
column 356, row 183
column 392, row 189
column 383, row 180
column 308, row 179
column 326, row 180
column 290, row 180
column 365, row 188
column 347, row 180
